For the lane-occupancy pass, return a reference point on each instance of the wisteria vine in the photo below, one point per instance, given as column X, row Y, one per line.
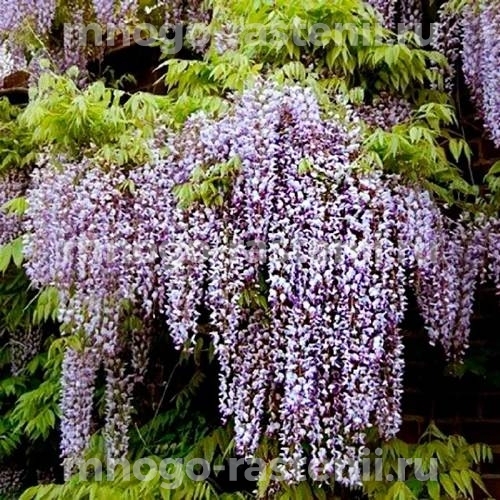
column 265, row 219
column 473, row 36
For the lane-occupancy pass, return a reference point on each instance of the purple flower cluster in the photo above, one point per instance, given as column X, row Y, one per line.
column 39, row 15
column 16, row 14
column 472, row 47
column 470, row 35
column 82, row 237
column 492, row 238
column 321, row 360
column 473, row 35
column 302, row 259
column 79, row 372
column 7, row 63
column 490, row 67
column 447, row 260
column 105, row 11
column 128, row 8
column 12, row 185
column 385, row 111
column 74, row 54
column 178, row 11
column 448, row 40
column 406, row 14
column 387, row 11
column 111, row 12
column 411, row 13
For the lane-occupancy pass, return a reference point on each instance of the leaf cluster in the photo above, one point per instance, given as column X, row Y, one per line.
column 438, row 467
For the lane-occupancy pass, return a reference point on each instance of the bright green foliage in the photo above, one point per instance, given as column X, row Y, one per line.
column 456, row 468
column 15, row 148
column 29, row 402
column 11, row 252
column 353, row 51
column 35, row 411
column 159, row 484
column 493, row 181
column 65, row 119
column 354, row 57
column 426, row 151
column 179, row 432
column 47, row 303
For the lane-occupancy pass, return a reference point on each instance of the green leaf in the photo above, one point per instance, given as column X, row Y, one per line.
column 456, row 148
column 476, row 478
column 434, row 490
column 495, row 169
column 467, row 482
column 448, row 485
column 17, row 251
column 264, row 480
column 5, row 256
column 17, row 206
column 457, row 480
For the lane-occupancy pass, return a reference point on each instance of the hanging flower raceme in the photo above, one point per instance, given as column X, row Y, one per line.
column 473, row 36
column 492, row 238
column 402, row 15
column 82, row 238
column 490, row 67
column 447, row 39
column 302, row 258
column 12, row 185
column 304, row 277
column 79, row 372
column 447, row 260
